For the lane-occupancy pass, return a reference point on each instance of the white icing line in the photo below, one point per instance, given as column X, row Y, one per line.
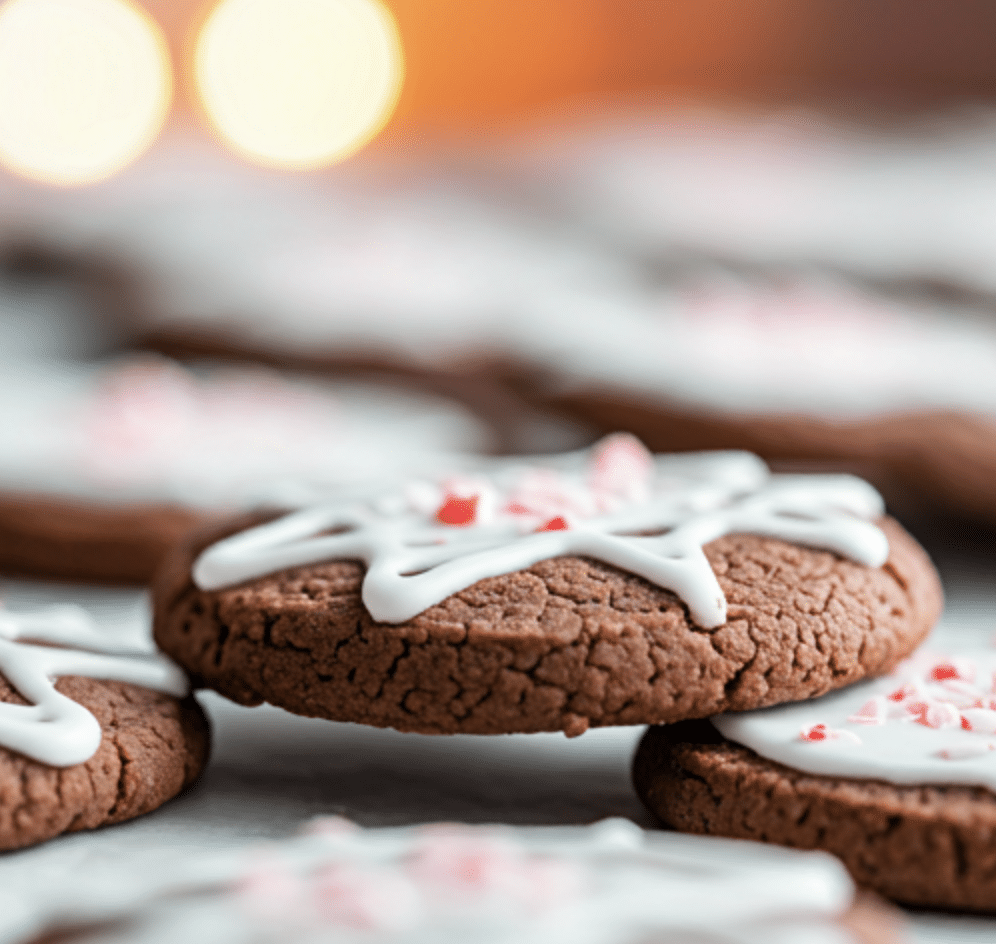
column 936, row 728
column 414, row 563
column 54, row 729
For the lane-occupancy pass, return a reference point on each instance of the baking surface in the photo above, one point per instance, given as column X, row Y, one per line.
column 270, row 770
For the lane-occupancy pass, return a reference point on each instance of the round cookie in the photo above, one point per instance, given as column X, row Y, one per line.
column 106, row 466
column 610, row 883
column 553, row 596
column 806, row 372
column 896, row 776
column 114, row 737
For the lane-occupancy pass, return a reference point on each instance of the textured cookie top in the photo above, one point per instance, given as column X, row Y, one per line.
column 52, row 728
column 931, row 721
column 609, row 883
column 650, row 516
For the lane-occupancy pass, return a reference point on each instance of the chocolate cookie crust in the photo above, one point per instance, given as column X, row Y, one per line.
column 942, row 458
column 153, row 746
column 66, row 539
column 567, row 644
column 921, row 845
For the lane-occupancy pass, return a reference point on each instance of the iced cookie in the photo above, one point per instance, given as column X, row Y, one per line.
column 779, row 188
column 806, row 372
column 389, row 261
column 103, row 468
column 595, row 588
column 91, row 732
column 609, row 883
column 896, row 776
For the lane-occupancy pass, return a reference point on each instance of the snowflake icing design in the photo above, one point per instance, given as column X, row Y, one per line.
column 648, row 515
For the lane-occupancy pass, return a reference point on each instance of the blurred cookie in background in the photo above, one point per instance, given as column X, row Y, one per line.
column 609, row 882
column 893, row 196
column 807, row 371
column 105, row 466
column 388, row 261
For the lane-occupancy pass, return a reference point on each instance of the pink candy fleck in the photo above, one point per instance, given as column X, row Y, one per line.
column 934, row 714
column 873, row 711
column 622, row 466
column 965, row 751
column 820, row 732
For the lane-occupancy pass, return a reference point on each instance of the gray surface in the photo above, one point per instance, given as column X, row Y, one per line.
column 270, row 770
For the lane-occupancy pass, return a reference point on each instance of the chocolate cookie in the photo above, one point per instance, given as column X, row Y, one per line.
column 598, row 588
column 805, row 372
column 609, row 882
column 897, row 777
column 113, row 738
column 104, row 467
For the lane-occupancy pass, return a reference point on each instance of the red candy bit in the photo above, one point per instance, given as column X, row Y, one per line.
column 458, row 511
column 943, row 671
column 516, row 508
column 900, row 693
column 554, row 524
column 820, row 732
column 980, row 720
column 954, row 668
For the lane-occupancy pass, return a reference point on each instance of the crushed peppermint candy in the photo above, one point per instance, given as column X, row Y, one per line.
column 931, row 721
column 820, row 732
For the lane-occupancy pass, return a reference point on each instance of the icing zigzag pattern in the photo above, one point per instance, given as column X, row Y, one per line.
column 54, row 729
column 616, row 503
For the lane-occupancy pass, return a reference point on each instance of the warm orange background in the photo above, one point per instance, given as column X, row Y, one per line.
column 479, row 63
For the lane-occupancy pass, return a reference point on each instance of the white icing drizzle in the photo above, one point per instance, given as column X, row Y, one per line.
column 55, row 729
column 932, row 721
column 616, row 503
column 609, row 883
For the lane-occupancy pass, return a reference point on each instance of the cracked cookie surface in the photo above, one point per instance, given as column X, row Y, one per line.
column 564, row 645
column 153, row 746
column 931, row 846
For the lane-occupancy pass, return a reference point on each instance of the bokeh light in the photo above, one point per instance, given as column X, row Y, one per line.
column 85, row 86
column 298, row 83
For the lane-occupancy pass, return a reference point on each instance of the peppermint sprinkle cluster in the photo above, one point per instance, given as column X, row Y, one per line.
column 935, row 690
column 448, row 876
column 539, row 499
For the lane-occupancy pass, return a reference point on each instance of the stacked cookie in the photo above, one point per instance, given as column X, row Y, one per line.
column 348, row 555
column 601, row 587
column 615, row 587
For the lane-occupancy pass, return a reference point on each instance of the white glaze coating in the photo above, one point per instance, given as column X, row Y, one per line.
column 781, row 187
column 610, row 883
column 431, row 270
column 600, row 504
column 932, row 721
column 806, row 346
column 145, row 428
column 54, row 729
column 397, row 260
